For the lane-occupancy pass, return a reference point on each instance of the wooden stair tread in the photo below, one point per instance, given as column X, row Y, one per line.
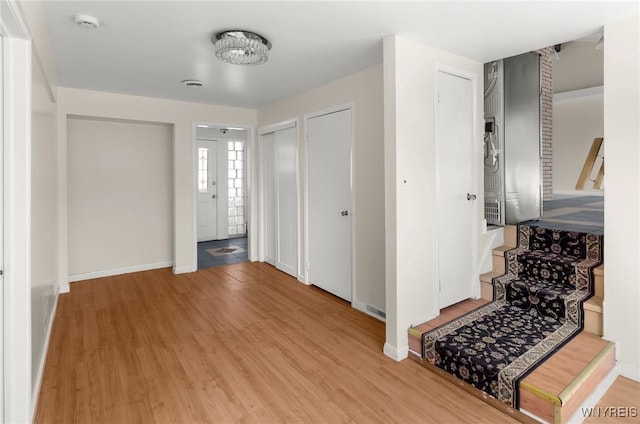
column 555, row 389
column 447, row 315
column 499, row 251
column 487, row 277
column 559, row 371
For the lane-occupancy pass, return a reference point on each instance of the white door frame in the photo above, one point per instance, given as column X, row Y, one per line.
column 354, row 214
column 249, row 210
column 16, row 140
column 262, row 201
column 440, row 67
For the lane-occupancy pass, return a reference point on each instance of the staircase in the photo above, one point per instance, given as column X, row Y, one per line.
column 554, row 391
column 592, row 307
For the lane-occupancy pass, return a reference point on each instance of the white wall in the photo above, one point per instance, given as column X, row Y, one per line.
column 120, row 208
column 44, row 216
column 409, row 75
column 364, row 89
column 183, row 116
column 622, row 202
column 43, row 191
column 577, row 120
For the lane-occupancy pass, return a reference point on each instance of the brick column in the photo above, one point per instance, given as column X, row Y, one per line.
column 546, row 117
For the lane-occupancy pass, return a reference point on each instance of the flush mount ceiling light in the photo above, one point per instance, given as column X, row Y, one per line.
column 86, row 21
column 241, row 47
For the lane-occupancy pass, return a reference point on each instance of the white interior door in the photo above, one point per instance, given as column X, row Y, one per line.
column 286, row 158
column 207, row 186
column 454, row 144
column 329, row 211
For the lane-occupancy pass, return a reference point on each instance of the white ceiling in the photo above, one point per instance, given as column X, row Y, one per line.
column 147, row 47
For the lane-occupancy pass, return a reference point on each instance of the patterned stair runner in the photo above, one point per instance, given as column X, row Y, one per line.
column 537, row 308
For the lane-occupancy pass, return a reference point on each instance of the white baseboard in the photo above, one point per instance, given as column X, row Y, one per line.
column 630, row 371
column 183, row 269
column 118, row 271
column 36, row 388
column 396, row 354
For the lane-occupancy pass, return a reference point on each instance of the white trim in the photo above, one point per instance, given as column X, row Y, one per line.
column 279, row 126
column 249, row 210
column 118, row 271
column 333, row 109
column 183, row 270
column 631, row 371
column 17, row 215
column 12, row 24
column 396, row 354
column 578, row 94
column 43, row 359
column 475, row 278
column 262, row 204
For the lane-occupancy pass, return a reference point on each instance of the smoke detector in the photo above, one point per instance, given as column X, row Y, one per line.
column 192, row 83
column 86, row 21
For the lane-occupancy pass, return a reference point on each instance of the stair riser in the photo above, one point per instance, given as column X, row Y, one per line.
column 498, row 263
column 558, row 409
column 593, row 322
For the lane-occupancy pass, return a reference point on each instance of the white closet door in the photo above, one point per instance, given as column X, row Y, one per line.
column 329, row 202
column 286, row 154
column 268, row 141
column 280, row 176
column 454, row 141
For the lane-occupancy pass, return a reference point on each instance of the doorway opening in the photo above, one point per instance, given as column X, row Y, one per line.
column 221, row 194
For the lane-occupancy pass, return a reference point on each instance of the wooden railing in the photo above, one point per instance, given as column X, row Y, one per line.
column 589, row 164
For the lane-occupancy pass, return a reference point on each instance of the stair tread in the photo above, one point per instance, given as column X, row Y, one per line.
column 555, row 374
column 499, row 251
column 545, row 286
column 559, row 371
column 488, row 276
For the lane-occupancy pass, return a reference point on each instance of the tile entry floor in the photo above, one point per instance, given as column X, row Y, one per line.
column 222, row 252
column 573, row 213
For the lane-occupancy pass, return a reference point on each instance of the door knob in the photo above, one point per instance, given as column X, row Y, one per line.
column 213, row 196
column 471, row 196
column 344, row 213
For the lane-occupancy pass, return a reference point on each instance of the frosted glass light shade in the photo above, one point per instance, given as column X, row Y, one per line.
column 242, row 47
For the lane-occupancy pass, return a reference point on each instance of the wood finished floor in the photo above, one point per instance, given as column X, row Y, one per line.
column 239, row 343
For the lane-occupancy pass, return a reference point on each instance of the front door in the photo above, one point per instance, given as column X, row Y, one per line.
column 329, row 202
column 454, row 147
column 207, row 188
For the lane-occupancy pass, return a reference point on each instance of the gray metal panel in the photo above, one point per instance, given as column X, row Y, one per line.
column 494, row 147
column 522, row 138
